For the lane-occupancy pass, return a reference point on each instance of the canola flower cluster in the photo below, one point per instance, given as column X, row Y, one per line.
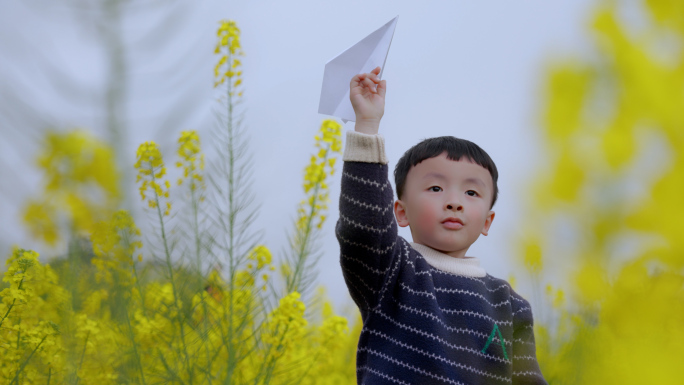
column 313, row 207
column 151, row 171
column 228, row 46
column 328, row 142
column 115, row 243
column 259, row 258
column 77, row 168
column 30, row 303
column 191, row 160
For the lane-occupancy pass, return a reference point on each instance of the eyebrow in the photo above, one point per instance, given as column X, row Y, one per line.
column 477, row 181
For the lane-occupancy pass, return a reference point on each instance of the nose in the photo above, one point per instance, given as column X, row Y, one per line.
column 453, row 204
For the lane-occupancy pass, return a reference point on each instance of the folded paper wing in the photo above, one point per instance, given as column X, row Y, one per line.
column 362, row 57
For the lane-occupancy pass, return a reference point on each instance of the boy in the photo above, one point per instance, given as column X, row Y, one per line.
column 430, row 314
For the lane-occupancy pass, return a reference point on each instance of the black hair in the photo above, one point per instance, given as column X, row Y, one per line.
column 455, row 148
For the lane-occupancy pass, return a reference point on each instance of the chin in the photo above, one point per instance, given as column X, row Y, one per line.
column 445, row 250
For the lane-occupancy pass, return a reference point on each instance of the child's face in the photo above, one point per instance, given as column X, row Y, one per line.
column 464, row 191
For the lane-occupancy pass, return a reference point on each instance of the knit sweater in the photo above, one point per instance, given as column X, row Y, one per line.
column 428, row 318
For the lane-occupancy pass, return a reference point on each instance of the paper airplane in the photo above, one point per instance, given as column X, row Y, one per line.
column 362, row 57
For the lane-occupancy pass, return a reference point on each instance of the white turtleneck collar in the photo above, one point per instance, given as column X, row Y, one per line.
column 469, row 266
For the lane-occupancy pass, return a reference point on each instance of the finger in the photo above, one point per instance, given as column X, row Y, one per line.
column 376, row 70
column 356, row 80
column 374, row 77
column 369, row 83
column 382, row 88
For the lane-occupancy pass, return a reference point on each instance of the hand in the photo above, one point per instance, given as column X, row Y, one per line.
column 367, row 95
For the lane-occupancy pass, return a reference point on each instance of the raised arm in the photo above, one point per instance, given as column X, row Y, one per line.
column 366, row 229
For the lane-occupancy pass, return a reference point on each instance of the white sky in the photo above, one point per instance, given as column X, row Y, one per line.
column 472, row 69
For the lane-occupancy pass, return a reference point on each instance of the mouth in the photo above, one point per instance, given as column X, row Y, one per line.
column 452, row 223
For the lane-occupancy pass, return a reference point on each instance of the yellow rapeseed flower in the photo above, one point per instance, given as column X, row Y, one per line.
column 191, row 160
column 81, row 186
column 261, row 255
column 286, row 324
column 114, row 244
column 328, row 142
column 40, row 217
column 228, row 46
column 151, row 171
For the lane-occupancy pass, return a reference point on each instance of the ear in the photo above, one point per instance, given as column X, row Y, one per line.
column 488, row 222
column 400, row 213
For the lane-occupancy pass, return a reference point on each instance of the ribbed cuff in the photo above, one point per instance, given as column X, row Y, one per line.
column 364, row 148
column 469, row 267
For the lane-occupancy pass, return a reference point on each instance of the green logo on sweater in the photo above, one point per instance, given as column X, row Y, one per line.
column 491, row 338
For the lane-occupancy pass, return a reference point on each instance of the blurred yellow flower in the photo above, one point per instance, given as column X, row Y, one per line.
column 151, row 171
column 80, row 186
column 229, row 38
column 261, row 255
column 40, row 219
column 620, row 318
column 533, row 256
column 114, row 244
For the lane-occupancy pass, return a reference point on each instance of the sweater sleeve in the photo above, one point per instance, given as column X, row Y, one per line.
column 526, row 369
column 366, row 229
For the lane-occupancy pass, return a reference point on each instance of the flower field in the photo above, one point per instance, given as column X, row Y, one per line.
column 194, row 299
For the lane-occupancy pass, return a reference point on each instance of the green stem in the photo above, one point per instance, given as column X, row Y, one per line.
column 131, row 336
column 271, row 360
column 232, row 355
column 12, row 304
column 168, row 368
column 80, row 364
column 169, row 266
column 302, row 243
column 16, row 376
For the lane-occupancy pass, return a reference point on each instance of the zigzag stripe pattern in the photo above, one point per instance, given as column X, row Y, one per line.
column 395, row 269
column 365, row 181
column 422, row 325
column 366, row 227
column 482, row 336
column 360, row 279
column 515, row 298
column 528, row 373
column 440, row 358
column 522, row 309
column 452, row 346
column 409, row 366
column 368, row 267
column 418, row 292
column 381, row 375
column 478, row 315
column 373, row 249
column 413, row 267
column 468, row 292
column 357, row 293
column 369, row 206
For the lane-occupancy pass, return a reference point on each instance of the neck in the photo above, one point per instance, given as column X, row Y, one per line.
column 466, row 266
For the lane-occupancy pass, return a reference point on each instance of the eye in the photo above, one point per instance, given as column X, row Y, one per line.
column 472, row 193
column 431, row 188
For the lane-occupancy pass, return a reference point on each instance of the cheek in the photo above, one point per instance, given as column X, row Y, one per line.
column 478, row 215
column 426, row 213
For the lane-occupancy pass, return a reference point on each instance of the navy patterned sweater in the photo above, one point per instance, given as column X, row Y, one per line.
column 428, row 318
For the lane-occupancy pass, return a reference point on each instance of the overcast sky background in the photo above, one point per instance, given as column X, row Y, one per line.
column 472, row 69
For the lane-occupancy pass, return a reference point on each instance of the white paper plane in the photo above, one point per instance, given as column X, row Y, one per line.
column 362, row 57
